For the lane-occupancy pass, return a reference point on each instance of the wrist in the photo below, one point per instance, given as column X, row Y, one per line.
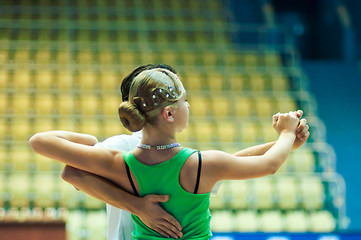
column 135, row 206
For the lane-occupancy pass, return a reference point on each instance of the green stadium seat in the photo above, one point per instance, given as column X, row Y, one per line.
column 44, row 189
column 239, row 192
column 222, row 221
column 287, row 192
column 322, row 221
column 246, row 221
column 296, row 221
column 96, row 224
column 19, row 190
column 312, row 192
column 263, row 193
column 271, row 221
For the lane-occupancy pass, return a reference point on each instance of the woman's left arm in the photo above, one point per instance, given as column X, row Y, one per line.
column 74, row 149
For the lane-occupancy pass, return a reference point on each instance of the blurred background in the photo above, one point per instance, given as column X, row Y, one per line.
column 62, row 62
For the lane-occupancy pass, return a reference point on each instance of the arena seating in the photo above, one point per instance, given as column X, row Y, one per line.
column 61, row 65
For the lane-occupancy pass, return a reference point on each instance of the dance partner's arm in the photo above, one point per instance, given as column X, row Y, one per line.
column 146, row 208
column 301, row 138
column 223, row 166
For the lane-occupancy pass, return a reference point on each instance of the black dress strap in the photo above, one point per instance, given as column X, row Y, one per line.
column 131, row 180
column 199, row 172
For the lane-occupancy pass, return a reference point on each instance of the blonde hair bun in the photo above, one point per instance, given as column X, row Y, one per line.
column 131, row 117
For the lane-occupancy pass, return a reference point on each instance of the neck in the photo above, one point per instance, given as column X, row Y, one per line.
column 157, row 136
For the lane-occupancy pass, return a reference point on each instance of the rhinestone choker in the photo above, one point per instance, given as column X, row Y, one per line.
column 158, row 147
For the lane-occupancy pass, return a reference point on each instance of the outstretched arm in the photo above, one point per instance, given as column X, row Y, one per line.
column 301, row 137
column 146, row 208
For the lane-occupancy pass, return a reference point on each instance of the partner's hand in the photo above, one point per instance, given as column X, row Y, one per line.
column 155, row 217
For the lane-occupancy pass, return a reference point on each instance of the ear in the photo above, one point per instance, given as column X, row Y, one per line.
column 167, row 114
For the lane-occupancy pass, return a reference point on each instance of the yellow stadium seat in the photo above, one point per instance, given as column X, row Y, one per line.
column 221, row 105
column 193, row 81
column 236, row 81
column 87, row 80
column 22, row 56
column 19, row 158
column 110, row 105
column 4, row 56
column 4, row 77
column 128, row 57
column 203, row 131
column 22, row 79
column 90, row 126
column 272, row 60
column 43, row 56
column 242, row 106
column 296, row 221
column 264, row 106
column 199, row 105
column 210, row 58
column 109, row 81
column 279, row 82
column 65, row 123
column 250, row 59
column 215, row 82
column 89, row 104
column 42, row 125
column 4, row 103
column 263, row 193
column 239, row 192
column 271, row 221
column 268, row 133
column 64, row 56
column 22, row 104
column 285, row 103
column 312, row 192
column 222, row 221
column 246, row 221
column 43, row 163
column 185, row 135
column 287, row 192
column 257, row 82
column 65, row 104
column 322, row 221
column 85, row 57
column 227, row 131
column 303, row 160
column 44, row 104
column 44, row 189
column 20, row 129
column 43, row 79
column 106, row 57
column 113, row 127
column 189, row 58
column 19, row 190
column 93, row 203
column 249, row 131
column 64, row 80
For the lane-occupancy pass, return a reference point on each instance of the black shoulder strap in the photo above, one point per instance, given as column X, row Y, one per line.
column 199, row 172
column 131, row 180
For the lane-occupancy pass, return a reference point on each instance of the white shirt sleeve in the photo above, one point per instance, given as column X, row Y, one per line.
column 120, row 223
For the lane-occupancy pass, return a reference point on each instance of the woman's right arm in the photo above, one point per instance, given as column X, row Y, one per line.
column 220, row 165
